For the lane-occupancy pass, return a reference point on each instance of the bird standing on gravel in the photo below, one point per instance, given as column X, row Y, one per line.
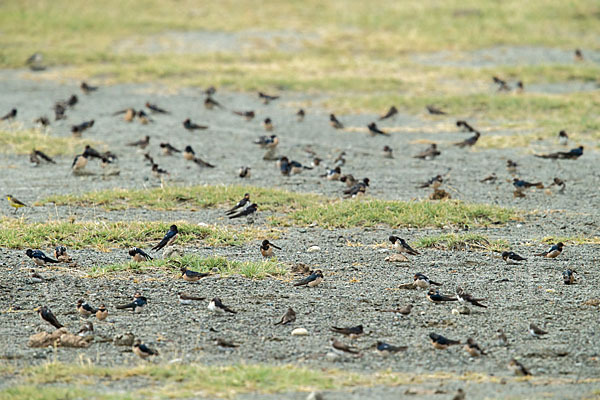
column 217, row 306
column 374, row 130
column 266, row 248
column 429, row 153
column 169, row 238
column 266, row 99
column 423, row 282
column 341, row 349
column 101, row 313
column 142, row 143
column 268, row 124
column 267, row 142
column 473, row 348
column 390, row 113
column 569, row 276
column 84, row 309
column 47, row 316
column 156, row 109
column 168, row 149
column 400, row 244
column 246, row 212
column 137, row 305
column 10, row 115
column 553, row 252
column 352, row 331
column 14, row 202
column 358, row 189
column 244, row 172
column 190, row 126
column 465, row 297
column 143, row 351
column 245, row 200
column 469, row 141
column 335, row 122
column 572, row 154
column 87, row 89
column 39, row 258
column 435, row 296
column 535, row 331
column 518, row 368
column 440, row 342
column 312, row 280
column 288, row 317
column 512, row 257
column 192, row 276
column 139, row 255
column 186, row 299
column 386, row 349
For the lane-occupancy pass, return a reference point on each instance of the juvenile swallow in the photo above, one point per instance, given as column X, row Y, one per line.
column 77, row 130
column 340, row 160
column 434, row 296
column 139, row 255
column 553, row 252
column 333, row 174
column 349, row 331
column 490, row 178
column 60, row 253
column 87, row 329
column 210, row 103
column 341, row 348
column 188, row 153
column 501, row 338
column 460, row 395
column 469, row 141
column 429, row 153
column 79, row 162
column 137, row 305
column 511, row 166
column 218, row 307
column 518, row 368
column 14, row 202
column 156, row 109
column 464, row 125
column 385, row 348
column 563, row 138
column 440, row 342
column 374, row 130
column 335, row 123
column 266, row 98
column 101, row 313
column 300, row 115
column 312, row 280
column 521, row 184
column 158, row 172
column 288, row 317
column 535, row 331
column 387, row 152
column 10, row 116
column 87, row 89
column 248, row 115
column 422, row 281
column 44, row 121
column 473, row 348
column 141, row 143
column 211, row 90
column 359, row 189
column 268, row 124
column 267, row 142
column 190, row 126
column 349, row 180
column 186, row 299
column 401, row 245
column 390, row 113
column 572, row 154
column 434, row 110
column 266, row 248
column 244, row 201
column 143, row 117
column 251, row 209
column 284, row 166
column 569, row 276
column 46, row 315
column 578, row 55
column 465, row 297
column 512, row 257
column 84, row 309
column 39, row 258
column 192, row 276
column 502, row 85
column 201, row 163
column 37, row 155
column 168, row 149
column 142, row 351
column 168, row 239
column 244, row 172
column 434, row 182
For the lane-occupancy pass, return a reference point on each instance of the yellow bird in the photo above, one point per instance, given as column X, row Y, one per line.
column 15, row 202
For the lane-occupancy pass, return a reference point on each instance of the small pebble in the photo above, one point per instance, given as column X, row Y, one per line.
column 313, row 249
column 300, row 332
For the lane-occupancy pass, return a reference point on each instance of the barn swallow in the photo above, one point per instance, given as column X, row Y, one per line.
column 143, row 351
column 501, row 338
column 473, row 348
column 251, row 209
column 192, row 276
column 87, row 329
column 139, row 255
column 312, row 280
column 101, row 313
column 465, row 297
column 359, row 189
column 210, row 103
column 156, row 109
column 149, row 158
column 79, row 162
column 43, row 120
column 300, row 115
column 37, row 155
column 266, row 248
column 469, row 141
column 84, row 308
column 288, row 317
column 387, row 152
column 390, row 113
column 333, row 174
column 335, row 123
column 511, row 166
column 268, row 124
column 490, row 178
column 349, row 331
column 440, row 342
column 39, row 258
column 248, row 115
column 464, row 125
column 143, row 117
column 142, row 143
column 520, row 87
column 14, row 202
column 90, row 152
column 87, row 89
column 435, row 296
column 349, row 180
column 434, row 182
column 434, row 110
column 385, row 348
column 518, row 368
column 186, row 299
column 168, row 149
column 168, row 239
column 553, row 252
column 210, row 91
column 71, row 101
column 35, row 58
column 137, row 305
column 578, row 55
column 341, row 348
column 535, row 331
column 340, row 160
column 563, row 138
column 521, row 184
column 374, row 130
column 511, row 257
column 572, row 154
column 244, row 172
column 315, row 162
column 460, row 395
column 218, row 307
column 225, row 343
column 35, row 277
column 46, row 315
column 200, row 162
column 420, row 280
column 190, row 126
column 245, row 200
column 77, row 130
column 158, row 172
column 188, row 153
column 502, row 85
column 266, row 98
column 130, row 114
column 401, row 245
column 296, row 167
column 429, row 153
column 11, row 115
column 267, row 142
column 60, row 253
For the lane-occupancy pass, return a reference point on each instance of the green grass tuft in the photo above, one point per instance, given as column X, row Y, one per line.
column 21, row 141
column 464, row 241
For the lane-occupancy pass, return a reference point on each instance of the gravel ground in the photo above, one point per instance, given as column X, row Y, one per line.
column 358, row 282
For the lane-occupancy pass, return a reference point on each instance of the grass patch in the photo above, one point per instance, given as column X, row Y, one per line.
column 23, row 141
column 35, row 392
column 17, row 234
column 249, row 269
column 464, row 241
column 576, row 240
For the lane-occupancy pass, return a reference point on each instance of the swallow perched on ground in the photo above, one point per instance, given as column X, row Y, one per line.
column 10, row 115
column 39, row 258
column 268, row 124
column 248, row 115
column 141, row 143
column 79, row 162
column 37, row 155
column 137, row 305
column 60, row 253
column 210, row 103
column 244, row 172
column 349, row 331
column 84, row 309
column 385, row 348
column 434, row 110
column 563, row 138
column 553, row 252
column 211, row 90
column 435, row 296
column 333, row 174
column 14, row 202
column 572, row 154
column 387, row 152
column 569, row 276
column 201, row 163
column 225, row 343
column 535, row 331
column 521, row 184
column 512, row 257
column 390, row 113
column 156, row 109
column 490, row 178
column 267, row 142
column 511, row 166
column 44, row 121
column 251, row 209
column 101, row 313
column 434, row 182
column 429, row 153
column 87, row 329
column 334, row 122
column 139, row 255
column 340, row 160
column 190, row 126
column 87, row 89
column 469, row 141
column 77, row 130
column 460, row 395
column 440, row 342
column 143, row 117
column 288, row 317
column 518, row 368
column 266, row 248
column 341, row 348
column 300, row 115
column 46, row 315
column 35, row 58
column 218, row 307
column 349, row 180
column 357, row 190
column 420, row 280
column 502, row 85
column 578, row 55
column 168, row 149
column 401, row 245
column 244, row 201
column 374, row 130
column 520, row 87
column 168, row 239
column 192, row 276
column 142, row 351
column 188, row 153
column 312, row 280
column 473, row 348
column 464, row 125
column 266, row 98
column 128, row 114
column 560, row 183
column 465, row 297
column 186, row 299
column 149, row 158
column 71, row 101
column 157, row 171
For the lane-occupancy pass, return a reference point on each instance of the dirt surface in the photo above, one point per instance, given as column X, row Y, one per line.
column 358, row 282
